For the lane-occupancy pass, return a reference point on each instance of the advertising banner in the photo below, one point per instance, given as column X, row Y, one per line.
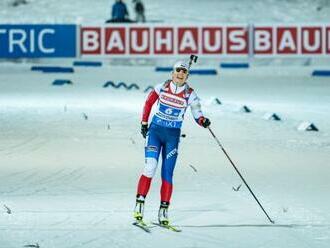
column 211, row 41
column 140, row 40
column 38, row 41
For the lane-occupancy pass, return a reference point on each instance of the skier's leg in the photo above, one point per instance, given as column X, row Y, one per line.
column 152, row 151
column 169, row 155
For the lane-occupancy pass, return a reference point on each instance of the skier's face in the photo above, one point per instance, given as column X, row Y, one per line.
column 179, row 76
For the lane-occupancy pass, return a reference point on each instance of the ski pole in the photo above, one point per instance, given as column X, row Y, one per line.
column 224, row 151
column 193, row 58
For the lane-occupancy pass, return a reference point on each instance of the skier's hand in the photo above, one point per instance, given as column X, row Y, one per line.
column 144, row 130
column 204, row 122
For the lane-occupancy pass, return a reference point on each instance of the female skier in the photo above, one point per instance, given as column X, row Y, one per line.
column 162, row 136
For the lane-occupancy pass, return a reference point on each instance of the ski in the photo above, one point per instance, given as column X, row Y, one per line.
column 168, row 226
column 142, row 225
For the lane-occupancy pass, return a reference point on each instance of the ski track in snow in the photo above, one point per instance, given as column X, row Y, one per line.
column 70, row 182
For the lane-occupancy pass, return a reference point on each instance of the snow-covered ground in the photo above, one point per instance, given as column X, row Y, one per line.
column 71, row 181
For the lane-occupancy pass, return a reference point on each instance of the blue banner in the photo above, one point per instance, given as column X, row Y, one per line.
column 38, row 41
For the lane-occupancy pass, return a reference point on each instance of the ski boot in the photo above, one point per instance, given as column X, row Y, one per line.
column 163, row 214
column 139, row 208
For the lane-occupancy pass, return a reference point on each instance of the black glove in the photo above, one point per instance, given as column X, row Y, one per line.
column 204, row 122
column 144, row 130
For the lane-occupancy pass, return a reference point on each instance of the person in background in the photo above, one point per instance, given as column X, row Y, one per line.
column 16, row 3
column 139, row 11
column 119, row 12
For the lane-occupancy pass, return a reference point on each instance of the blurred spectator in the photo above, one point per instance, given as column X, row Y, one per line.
column 322, row 4
column 16, row 3
column 119, row 12
column 139, row 11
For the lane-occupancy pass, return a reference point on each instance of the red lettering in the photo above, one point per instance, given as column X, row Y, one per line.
column 263, row 40
column 287, row 40
column 139, row 40
column 237, row 40
column 90, row 39
column 212, row 40
column 115, row 40
column 163, row 40
column 311, row 38
column 187, row 40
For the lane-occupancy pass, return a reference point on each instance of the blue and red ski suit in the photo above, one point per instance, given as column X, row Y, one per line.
column 164, row 132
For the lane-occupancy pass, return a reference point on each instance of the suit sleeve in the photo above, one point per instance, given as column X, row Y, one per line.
column 150, row 100
column 196, row 108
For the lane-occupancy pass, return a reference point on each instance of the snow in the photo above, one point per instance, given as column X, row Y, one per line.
column 184, row 11
column 71, row 181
